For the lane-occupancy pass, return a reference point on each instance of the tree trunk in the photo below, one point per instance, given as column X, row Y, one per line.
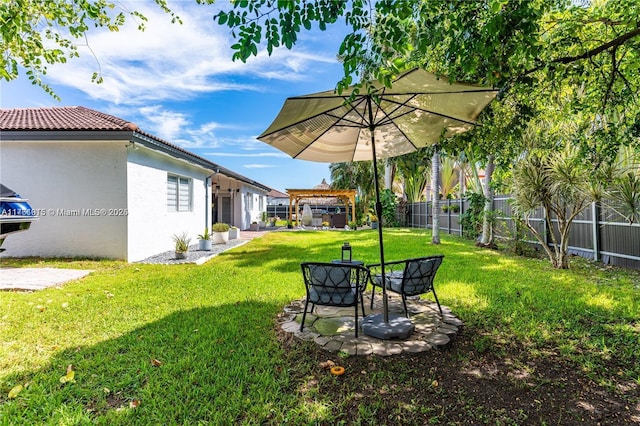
column 487, row 235
column 462, row 180
column 388, row 174
column 435, row 189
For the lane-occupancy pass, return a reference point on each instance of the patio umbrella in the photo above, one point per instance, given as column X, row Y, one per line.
column 416, row 111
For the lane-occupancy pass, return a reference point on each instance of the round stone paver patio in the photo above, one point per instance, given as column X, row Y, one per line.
column 334, row 328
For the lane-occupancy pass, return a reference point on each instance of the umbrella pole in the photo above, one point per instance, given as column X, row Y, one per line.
column 384, row 328
column 385, row 297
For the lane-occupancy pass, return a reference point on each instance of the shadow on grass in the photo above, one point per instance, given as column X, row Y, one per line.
column 215, row 365
column 225, row 365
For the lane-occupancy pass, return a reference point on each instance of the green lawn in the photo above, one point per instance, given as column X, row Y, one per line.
column 212, row 330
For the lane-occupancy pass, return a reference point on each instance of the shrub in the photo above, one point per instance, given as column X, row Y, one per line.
column 205, row 235
column 220, row 227
column 471, row 220
column 182, row 242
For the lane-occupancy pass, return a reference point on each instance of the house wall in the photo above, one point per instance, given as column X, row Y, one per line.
column 151, row 225
column 252, row 212
column 224, row 187
column 241, row 213
column 79, row 188
column 278, row 201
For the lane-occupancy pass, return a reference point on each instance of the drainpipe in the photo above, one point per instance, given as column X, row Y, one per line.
column 207, row 195
column 208, row 186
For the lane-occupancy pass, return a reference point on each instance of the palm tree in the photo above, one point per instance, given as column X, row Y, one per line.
column 448, row 176
column 555, row 181
column 355, row 175
column 624, row 192
column 486, row 238
column 435, row 186
column 414, row 168
column 389, row 173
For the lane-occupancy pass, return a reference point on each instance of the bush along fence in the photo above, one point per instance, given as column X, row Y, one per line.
column 598, row 233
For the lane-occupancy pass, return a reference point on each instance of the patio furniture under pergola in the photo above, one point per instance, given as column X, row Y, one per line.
column 347, row 196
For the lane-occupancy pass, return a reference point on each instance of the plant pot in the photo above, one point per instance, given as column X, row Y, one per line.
column 181, row 254
column 262, row 225
column 204, row 245
column 220, row 237
column 254, row 227
column 234, row 233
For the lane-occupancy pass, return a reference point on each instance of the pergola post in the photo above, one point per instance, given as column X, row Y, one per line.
column 290, row 210
column 353, row 208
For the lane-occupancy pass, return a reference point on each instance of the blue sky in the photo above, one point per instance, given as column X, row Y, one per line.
column 178, row 82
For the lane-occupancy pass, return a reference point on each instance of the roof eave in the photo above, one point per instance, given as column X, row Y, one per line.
column 64, row 135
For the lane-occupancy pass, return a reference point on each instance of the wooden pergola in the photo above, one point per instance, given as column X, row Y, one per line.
column 347, row 196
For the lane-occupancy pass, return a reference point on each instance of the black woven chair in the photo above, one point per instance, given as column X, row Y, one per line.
column 409, row 277
column 334, row 284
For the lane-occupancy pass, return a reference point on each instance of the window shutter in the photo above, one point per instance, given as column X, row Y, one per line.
column 184, row 201
column 172, row 193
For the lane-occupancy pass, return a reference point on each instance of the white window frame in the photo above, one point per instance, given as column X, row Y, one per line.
column 249, row 201
column 177, row 201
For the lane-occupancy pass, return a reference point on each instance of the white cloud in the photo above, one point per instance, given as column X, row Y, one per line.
column 243, row 155
column 260, row 166
column 172, row 61
column 168, row 125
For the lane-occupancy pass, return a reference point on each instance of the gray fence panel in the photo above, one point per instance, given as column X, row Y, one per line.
column 607, row 237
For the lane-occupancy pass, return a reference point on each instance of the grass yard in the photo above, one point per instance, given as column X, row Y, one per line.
column 187, row 344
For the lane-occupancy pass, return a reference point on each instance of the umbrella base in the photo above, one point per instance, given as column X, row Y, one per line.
column 398, row 327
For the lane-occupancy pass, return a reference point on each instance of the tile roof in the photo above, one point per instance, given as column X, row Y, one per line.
column 61, row 118
column 79, row 118
column 277, row 194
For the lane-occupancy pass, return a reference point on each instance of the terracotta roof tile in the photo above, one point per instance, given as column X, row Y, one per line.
column 277, row 194
column 61, row 118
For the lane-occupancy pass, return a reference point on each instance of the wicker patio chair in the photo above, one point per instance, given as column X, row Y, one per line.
column 409, row 277
column 334, row 284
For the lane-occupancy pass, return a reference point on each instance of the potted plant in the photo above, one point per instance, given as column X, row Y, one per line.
column 374, row 221
column 325, row 225
column 182, row 245
column 289, row 224
column 263, row 220
column 220, row 233
column 234, row 233
column 254, row 226
column 204, row 242
column 353, row 225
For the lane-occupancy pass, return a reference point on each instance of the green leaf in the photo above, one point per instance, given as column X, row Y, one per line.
column 15, row 391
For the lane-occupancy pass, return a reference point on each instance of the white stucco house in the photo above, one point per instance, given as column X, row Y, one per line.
column 105, row 188
column 277, row 198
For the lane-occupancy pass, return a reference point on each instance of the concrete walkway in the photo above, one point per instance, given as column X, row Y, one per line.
column 333, row 329
column 31, row 279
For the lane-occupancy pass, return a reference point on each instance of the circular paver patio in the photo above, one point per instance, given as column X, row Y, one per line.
column 334, row 328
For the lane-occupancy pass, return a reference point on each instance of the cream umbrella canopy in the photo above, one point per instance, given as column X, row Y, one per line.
column 416, row 111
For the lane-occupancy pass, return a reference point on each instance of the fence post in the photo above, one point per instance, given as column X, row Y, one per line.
column 595, row 227
column 448, row 216
column 545, row 229
column 460, row 211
